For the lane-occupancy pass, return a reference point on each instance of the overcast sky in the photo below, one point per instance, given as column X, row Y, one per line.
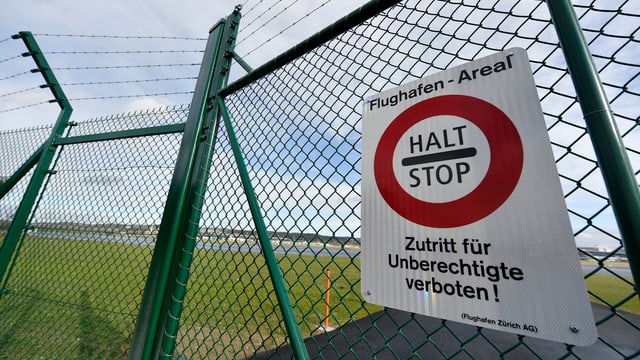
column 186, row 18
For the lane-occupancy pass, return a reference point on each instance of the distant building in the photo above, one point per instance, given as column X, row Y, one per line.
column 598, row 253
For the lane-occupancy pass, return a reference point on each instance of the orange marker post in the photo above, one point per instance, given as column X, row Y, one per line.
column 326, row 312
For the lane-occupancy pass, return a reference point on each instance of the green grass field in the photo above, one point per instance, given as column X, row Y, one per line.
column 612, row 291
column 79, row 299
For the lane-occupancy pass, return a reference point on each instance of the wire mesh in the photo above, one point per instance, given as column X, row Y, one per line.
column 83, row 259
column 16, row 146
column 300, row 131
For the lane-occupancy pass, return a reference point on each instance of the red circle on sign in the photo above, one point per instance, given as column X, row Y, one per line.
column 495, row 188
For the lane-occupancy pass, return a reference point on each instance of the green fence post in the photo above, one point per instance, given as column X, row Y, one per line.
column 191, row 220
column 607, row 142
column 156, row 300
column 47, row 154
column 291, row 324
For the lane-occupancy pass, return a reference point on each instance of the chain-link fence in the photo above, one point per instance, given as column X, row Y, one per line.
column 17, row 147
column 73, row 288
column 300, row 131
column 75, row 285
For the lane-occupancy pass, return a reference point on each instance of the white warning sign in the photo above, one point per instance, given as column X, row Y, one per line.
column 463, row 214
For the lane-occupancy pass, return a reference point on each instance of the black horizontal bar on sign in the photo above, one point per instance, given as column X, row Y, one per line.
column 441, row 156
column 363, row 13
column 114, row 135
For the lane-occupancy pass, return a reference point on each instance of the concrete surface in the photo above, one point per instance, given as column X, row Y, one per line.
column 366, row 339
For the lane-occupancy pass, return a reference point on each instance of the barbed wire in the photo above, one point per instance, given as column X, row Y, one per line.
column 120, row 52
column 123, row 37
column 15, row 75
column 97, row 98
column 279, row 13
column 26, row 106
column 108, row 81
column 130, row 96
column 252, row 8
column 7, row 39
column 127, row 81
column 10, row 58
column 19, row 91
column 245, row 27
column 288, row 27
column 100, row 83
column 123, row 66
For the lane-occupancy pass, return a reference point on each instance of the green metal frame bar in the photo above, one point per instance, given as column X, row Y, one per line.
column 156, row 299
column 47, row 154
column 607, row 142
column 174, row 303
column 241, row 62
column 363, row 13
column 124, row 134
column 29, row 221
column 35, row 157
column 289, row 316
column 21, row 172
column 185, row 258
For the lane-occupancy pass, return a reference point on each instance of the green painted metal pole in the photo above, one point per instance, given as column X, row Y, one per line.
column 185, row 258
column 289, row 316
column 158, row 307
column 607, row 142
column 143, row 342
column 49, row 149
column 192, row 218
column 123, row 134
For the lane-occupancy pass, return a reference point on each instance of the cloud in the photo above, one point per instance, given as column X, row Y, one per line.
column 146, row 103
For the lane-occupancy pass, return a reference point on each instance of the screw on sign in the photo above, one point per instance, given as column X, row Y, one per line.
column 501, row 178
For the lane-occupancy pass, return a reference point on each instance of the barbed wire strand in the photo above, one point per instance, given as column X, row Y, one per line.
column 26, row 106
column 287, row 28
column 19, row 91
column 98, row 98
column 278, row 14
column 129, row 37
column 15, row 75
column 120, row 52
column 128, row 81
column 252, row 8
column 131, row 96
column 248, row 26
column 123, row 66
column 10, row 58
